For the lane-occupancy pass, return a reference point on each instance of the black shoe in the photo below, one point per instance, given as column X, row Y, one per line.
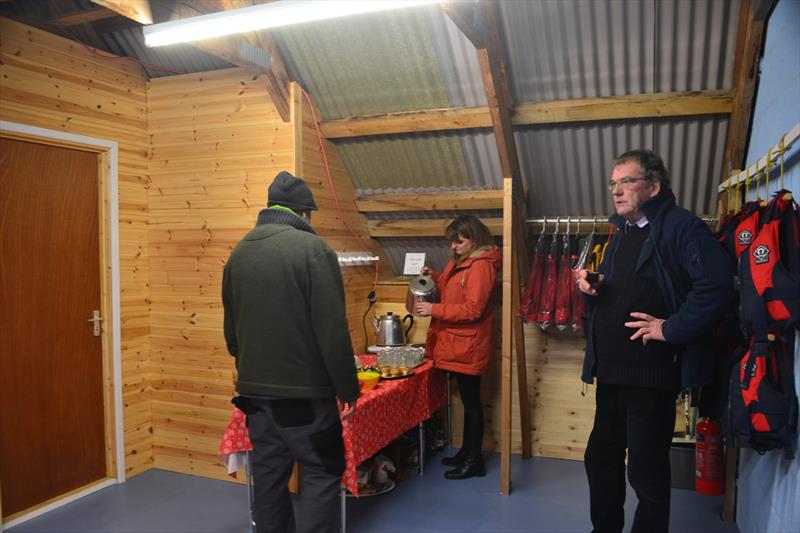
column 456, row 459
column 471, row 467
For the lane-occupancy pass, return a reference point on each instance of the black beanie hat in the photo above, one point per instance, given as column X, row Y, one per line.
column 292, row 192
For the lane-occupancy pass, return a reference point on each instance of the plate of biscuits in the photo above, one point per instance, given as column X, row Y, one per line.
column 395, row 371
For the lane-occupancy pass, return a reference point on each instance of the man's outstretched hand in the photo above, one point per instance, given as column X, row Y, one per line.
column 649, row 327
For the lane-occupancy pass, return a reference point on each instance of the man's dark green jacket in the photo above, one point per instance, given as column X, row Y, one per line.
column 285, row 320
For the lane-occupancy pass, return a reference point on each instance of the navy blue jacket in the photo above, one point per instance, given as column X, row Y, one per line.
column 695, row 275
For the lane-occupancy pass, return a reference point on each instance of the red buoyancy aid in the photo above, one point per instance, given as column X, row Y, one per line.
column 763, row 401
column 533, row 291
column 747, row 228
column 769, row 273
column 563, row 307
column 548, row 297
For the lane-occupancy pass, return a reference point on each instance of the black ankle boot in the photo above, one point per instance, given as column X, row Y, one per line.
column 471, row 467
column 456, row 459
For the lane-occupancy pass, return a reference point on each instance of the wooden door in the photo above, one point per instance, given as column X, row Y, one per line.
column 52, row 434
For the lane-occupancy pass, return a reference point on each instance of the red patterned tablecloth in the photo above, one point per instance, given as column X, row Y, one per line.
column 388, row 411
column 235, row 442
column 382, row 415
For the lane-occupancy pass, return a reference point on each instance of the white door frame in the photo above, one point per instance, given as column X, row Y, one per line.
column 110, row 150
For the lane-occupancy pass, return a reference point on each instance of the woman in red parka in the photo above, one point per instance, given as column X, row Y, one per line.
column 460, row 334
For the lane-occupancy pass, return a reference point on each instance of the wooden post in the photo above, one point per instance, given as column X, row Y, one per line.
column 519, row 349
column 731, row 470
column 507, row 320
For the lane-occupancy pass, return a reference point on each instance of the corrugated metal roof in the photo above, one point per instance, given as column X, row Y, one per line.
column 366, row 64
column 404, row 161
column 567, row 166
column 579, row 49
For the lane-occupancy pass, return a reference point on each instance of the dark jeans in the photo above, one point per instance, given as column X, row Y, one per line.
column 469, row 388
column 640, row 420
column 310, row 432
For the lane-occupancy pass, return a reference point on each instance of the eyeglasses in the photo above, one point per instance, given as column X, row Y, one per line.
column 626, row 182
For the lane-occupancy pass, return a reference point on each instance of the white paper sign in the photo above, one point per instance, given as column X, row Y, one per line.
column 414, row 263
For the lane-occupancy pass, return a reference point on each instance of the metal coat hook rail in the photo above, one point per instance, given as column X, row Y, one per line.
column 586, row 224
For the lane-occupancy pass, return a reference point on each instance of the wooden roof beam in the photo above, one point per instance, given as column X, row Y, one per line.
column 492, row 59
column 748, row 51
column 138, row 10
column 74, row 18
column 445, row 201
column 423, row 227
column 691, row 103
column 81, row 31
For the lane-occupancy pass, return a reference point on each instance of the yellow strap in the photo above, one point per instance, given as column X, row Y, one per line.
column 747, row 181
column 767, row 170
column 738, row 192
column 728, row 201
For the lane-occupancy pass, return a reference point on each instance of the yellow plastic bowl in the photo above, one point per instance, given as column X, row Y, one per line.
column 368, row 380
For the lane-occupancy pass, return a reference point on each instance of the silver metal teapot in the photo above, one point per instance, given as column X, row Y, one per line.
column 421, row 288
column 389, row 329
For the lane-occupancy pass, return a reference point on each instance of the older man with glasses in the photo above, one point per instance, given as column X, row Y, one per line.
column 664, row 283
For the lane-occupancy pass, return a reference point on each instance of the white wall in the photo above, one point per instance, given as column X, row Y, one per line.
column 769, row 486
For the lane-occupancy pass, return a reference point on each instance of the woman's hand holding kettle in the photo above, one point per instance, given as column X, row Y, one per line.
column 422, row 308
column 425, row 271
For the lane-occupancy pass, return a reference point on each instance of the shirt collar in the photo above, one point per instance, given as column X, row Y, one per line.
column 641, row 223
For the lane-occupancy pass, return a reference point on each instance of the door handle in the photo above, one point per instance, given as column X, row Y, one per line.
column 96, row 319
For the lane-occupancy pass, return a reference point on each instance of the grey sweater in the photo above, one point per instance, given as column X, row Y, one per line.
column 285, row 320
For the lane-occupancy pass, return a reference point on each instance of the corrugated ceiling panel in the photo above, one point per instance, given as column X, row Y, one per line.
column 568, row 166
column 390, row 62
column 404, row 161
column 458, row 62
column 581, row 49
column 463, row 82
column 366, row 64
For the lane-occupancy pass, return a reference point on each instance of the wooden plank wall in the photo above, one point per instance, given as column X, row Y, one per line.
column 327, row 222
column 217, row 143
column 561, row 418
column 51, row 82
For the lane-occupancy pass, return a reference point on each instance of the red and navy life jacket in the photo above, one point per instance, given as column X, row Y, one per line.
column 737, row 230
column 769, row 268
column 762, row 401
column 762, row 397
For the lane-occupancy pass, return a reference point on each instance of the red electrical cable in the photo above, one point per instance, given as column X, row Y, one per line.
column 330, row 182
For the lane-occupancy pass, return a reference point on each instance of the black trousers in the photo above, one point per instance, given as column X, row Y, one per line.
column 640, row 420
column 469, row 388
column 310, row 432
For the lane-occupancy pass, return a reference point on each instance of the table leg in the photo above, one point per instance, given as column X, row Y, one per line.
column 251, row 496
column 421, row 448
column 343, row 505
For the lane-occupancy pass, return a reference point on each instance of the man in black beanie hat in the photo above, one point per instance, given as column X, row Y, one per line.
column 286, row 325
column 292, row 192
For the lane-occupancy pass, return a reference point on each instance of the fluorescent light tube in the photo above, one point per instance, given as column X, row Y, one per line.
column 262, row 16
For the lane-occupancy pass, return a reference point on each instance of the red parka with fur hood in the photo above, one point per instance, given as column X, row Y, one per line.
column 460, row 334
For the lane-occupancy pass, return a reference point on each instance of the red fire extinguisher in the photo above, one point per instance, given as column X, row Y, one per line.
column 708, row 458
